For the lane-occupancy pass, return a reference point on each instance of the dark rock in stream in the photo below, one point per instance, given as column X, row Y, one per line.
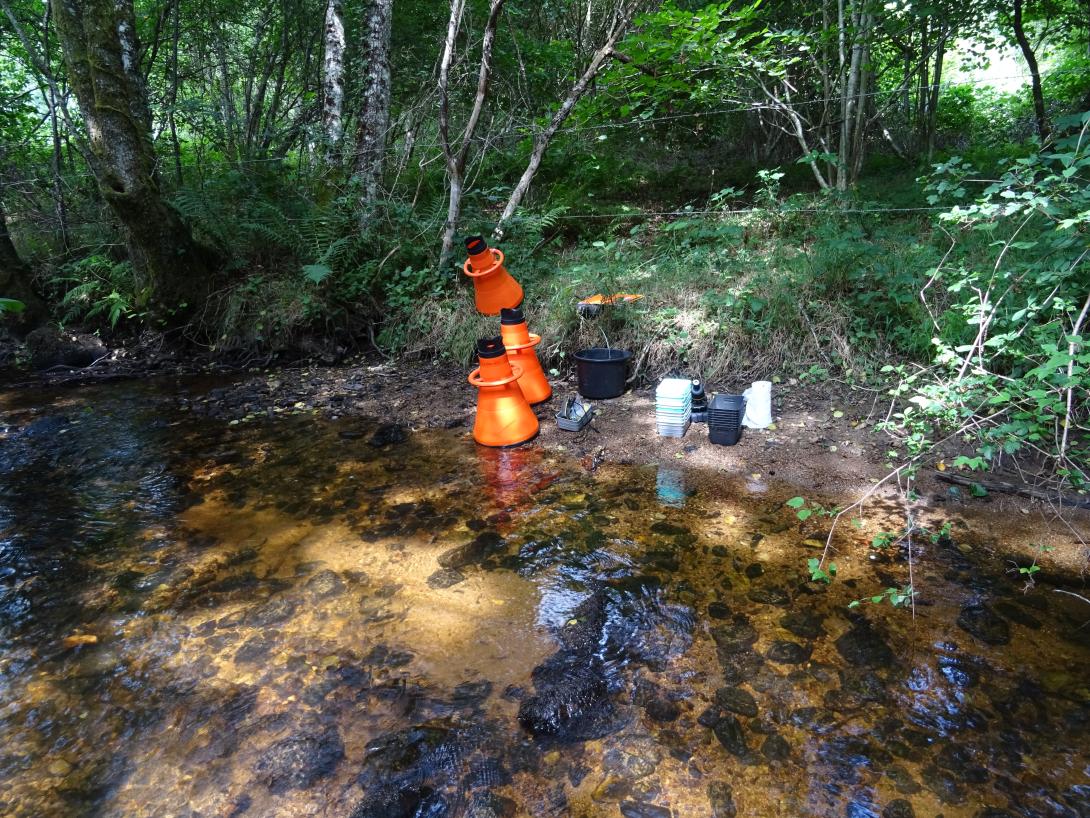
column 736, row 700
column 803, row 624
column 721, row 798
column 325, row 584
column 662, row 709
column 863, row 646
column 445, row 578
column 788, row 653
column 899, row 808
column 473, row 552
column 984, row 624
column 731, row 735
column 389, row 434
column 769, row 595
column 273, row 612
column 401, row 802
column 471, row 694
column 635, row 809
column 945, row 785
column 734, row 638
column 490, row 805
column 571, row 701
column 740, row 667
column 718, row 610
column 776, row 748
column 299, row 760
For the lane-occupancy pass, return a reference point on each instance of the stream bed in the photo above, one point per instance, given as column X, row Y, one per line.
column 291, row 616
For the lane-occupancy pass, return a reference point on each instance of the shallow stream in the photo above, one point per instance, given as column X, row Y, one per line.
column 291, row 616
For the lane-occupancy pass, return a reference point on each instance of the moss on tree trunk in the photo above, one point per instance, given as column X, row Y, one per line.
column 100, row 50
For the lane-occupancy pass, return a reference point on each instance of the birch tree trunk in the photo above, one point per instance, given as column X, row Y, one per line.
column 375, row 110
column 456, row 157
column 1034, row 72
column 98, row 38
column 333, row 80
column 542, row 140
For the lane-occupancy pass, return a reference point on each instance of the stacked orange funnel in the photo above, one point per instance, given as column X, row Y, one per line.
column 519, row 343
column 494, row 287
column 504, row 417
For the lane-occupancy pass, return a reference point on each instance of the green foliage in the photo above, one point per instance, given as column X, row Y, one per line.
column 1010, row 356
column 11, row 305
column 897, row 597
column 97, row 289
column 818, row 573
column 804, row 509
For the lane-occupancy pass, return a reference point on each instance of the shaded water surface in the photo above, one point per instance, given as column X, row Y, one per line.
column 296, row 617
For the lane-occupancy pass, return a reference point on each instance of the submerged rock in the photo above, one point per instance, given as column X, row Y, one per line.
column 298, row 761
column 721, row 798
column 401, row 802
column 445, row 578
column 984, row 624
column 571, row 698
column 788, row 653
column 770, row 595
column 484, row 545
column 736, row 700
column 389, row 434
column 803, row 624
column 899, row 808
column 731, row 735
column 325, row 584
column 863, row 646
column 776, row 748
column 636, row 809
column 490, row 805
column 735, row 637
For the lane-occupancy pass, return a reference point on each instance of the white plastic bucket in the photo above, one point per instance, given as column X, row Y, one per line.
column 758, row 405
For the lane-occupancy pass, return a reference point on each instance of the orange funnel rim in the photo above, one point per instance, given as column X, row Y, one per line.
column 497, row 261
column 475, row 377
column 535, row 339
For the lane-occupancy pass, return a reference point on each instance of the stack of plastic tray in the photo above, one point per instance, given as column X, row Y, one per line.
column 673, row 406
column 725, row 414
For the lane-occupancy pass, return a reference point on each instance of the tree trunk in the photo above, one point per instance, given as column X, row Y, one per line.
column 542, row 140
column 934, row 96
column 375, row 111
column 456, row 159
column 1034, row 72
column 99, row 43
column 15, row 281
column 333, row 80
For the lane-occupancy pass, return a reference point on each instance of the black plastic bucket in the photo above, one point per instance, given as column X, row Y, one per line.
column 602, row 372
column 725, row 413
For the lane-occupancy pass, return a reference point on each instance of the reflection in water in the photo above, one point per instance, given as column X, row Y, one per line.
column 297, row 618
column 670, row 487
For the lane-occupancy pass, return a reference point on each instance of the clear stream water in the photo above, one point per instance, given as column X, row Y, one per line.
column 296, row 617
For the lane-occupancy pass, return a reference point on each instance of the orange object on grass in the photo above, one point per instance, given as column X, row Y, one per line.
column 519, row 343
column 495, row 288
column 504, row 418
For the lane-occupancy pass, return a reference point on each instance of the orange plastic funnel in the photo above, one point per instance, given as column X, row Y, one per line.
column 504, row 418
column 494, row 287
column 520, row 343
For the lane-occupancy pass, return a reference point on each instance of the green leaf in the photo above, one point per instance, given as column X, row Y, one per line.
column 803, row 513
column 796, row 502
column 11, row 305
column 317, row 272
